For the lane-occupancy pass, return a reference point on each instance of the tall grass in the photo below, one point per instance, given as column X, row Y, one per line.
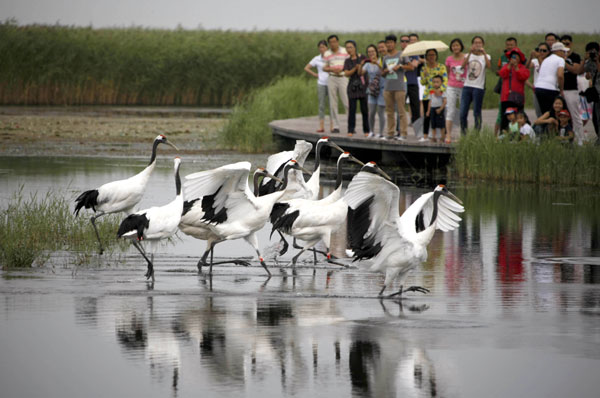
column 288, row 97
column 31, row 228
column 481, row 156
column 64, row 65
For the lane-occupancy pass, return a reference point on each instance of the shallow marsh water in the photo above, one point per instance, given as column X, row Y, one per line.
column 514, row 308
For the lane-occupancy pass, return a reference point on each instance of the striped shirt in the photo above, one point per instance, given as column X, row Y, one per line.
column 336, row 60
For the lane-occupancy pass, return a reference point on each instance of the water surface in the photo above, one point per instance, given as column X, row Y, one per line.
column 514, row 308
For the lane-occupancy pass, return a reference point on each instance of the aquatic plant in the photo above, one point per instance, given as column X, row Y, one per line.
column 33, row 227
column 248, row 127
column 479, row 155
column 66, row 65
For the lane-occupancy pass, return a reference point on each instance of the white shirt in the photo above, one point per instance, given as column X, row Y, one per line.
column 319, row 62
column 547, row 78
column 536, row 69
column 527, row 130
column 476, row 71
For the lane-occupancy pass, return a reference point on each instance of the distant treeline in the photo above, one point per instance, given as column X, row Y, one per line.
column 61, row 65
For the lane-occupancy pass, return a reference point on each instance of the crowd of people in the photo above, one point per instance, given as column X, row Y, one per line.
column 387, row 85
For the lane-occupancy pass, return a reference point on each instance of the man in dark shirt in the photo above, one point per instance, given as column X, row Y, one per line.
column 412, row 86
column 573, row 68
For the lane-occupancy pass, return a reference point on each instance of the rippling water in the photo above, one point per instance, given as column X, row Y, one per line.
column 514, row 309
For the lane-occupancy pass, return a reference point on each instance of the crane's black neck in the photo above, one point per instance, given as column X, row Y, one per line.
column 286, row 171
column 154, row 146
column 255, row 181
column 436, row 197
column 177, row 181
column 338, row 179
column 318, row 154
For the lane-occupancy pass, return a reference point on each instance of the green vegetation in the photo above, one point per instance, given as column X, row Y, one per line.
column 288, row 97
column 481, row 156
column 60, row 65
column 32, row 228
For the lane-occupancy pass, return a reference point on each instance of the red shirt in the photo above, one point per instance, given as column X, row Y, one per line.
column 517, row 81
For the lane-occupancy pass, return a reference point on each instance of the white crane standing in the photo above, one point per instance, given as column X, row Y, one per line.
column 155, row 223
column 313, row 220
column 395, row 244
column 193, row 222
column 228, row 208
column 119, row 196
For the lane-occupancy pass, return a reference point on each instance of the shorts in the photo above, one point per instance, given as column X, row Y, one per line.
column 437, row 121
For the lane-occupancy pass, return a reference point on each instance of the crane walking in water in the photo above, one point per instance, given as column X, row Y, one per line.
column 155, row 223
column 119, row 196
column 227, row 208
column 395, row 244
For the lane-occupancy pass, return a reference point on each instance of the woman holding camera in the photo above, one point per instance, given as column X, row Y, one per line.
column 357, row 91
column 514, row 74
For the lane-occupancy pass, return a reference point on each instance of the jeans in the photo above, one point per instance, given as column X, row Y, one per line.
column 322, row 95
column 412, row 92
column 468, row 95
column 352, row 114
column 374, row 108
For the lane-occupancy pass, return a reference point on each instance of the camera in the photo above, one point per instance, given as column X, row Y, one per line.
column 593, row 55
column 536, row 49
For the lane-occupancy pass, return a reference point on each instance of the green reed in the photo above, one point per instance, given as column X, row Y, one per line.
column 288, row 97
column 63, row 65
column 33, row 227
column 482, row 156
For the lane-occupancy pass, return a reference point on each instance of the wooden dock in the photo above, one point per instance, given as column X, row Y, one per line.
column 385, row 151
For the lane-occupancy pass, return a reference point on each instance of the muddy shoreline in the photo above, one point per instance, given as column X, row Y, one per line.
column 106, row 131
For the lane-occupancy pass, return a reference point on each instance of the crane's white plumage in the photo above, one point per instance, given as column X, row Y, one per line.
column 395, row 244
column 155, row 223
column 121, row 195
column 313, row 220
column 296, row 186
column 222, row 206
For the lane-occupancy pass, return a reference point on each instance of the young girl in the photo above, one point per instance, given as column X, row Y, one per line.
column 548, row 122
column 565, row 127
column 525, row 129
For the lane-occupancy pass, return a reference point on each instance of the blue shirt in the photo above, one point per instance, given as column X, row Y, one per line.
column 411, row 76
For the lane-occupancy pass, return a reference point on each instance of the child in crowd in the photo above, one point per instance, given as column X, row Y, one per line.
column 525, row 130
column 435, row 110
column 512, row 133
column 565, row 127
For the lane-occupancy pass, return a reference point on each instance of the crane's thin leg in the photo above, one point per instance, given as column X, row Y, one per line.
column 93, row 221
column 381, row 291
column 202, row 260
column 398, row 293
column 297, row 246
column 284, row 249
column 330, row 258
column 150, row 272
column 262, row 262
column 419, row 289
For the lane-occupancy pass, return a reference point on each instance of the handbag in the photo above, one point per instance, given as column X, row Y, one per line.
column 374, row 86
column 498, row 86
column 591, row 93
column 517, row 98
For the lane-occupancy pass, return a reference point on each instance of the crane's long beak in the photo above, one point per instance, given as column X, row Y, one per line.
column 171, row 144
column 271, row 176
column 304, row 170
column 355, row 160
column 334, row 145
column 383, row 174
column 452, row 196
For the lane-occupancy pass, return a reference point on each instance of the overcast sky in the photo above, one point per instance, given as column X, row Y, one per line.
column 327, row 15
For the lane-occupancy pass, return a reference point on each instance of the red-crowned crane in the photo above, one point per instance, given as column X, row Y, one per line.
column 155, row 223
column 313, row 220
column 225, row 205
column 119, row 196
column 395, row 244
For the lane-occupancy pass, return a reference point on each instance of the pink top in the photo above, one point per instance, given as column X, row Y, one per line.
column 456, row 72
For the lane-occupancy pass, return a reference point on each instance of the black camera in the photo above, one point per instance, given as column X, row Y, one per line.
column 593, row 55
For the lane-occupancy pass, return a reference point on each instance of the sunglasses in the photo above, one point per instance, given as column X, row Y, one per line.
column 543, row 51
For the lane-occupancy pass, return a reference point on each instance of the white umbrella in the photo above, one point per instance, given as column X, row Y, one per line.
column 421, row 47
